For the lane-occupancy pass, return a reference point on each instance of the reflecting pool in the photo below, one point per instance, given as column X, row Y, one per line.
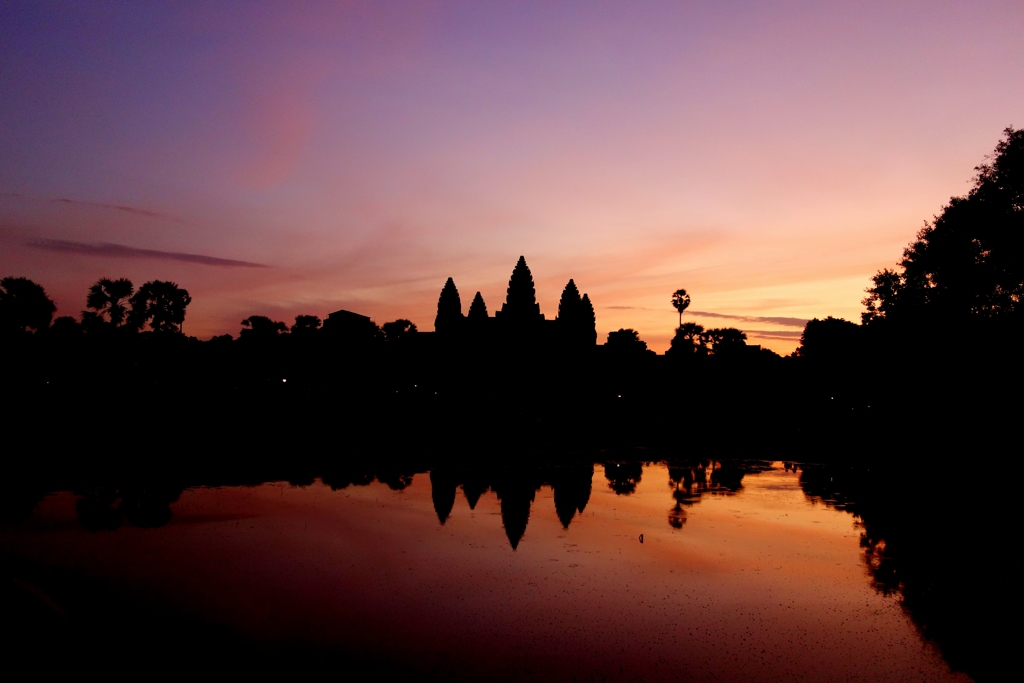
column 697, row 571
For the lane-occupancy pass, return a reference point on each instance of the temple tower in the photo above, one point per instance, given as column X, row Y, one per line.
column 588, row 321
column 477, row 309
column 521, row 300
column 449, row 309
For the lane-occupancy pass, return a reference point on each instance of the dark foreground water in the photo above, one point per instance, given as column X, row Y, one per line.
column 613, row 572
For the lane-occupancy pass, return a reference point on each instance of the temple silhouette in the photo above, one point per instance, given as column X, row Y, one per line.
column 518, row 325
column 519, row 320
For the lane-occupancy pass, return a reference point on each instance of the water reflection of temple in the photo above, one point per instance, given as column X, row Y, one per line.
column 949, row 559
column 107, row 504
column 516, row 489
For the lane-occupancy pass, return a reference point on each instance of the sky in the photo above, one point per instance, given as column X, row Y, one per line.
column 296, row 158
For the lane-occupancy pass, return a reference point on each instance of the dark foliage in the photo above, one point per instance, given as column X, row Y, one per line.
column 397, row 331
column 680, row 302
column 24, row 306
column 689, row 340
column 969, row 262
column 306, row 324
column 259, row 327
column 626, row 341
column 161, row 305
column 109, row 301
column 831, row 339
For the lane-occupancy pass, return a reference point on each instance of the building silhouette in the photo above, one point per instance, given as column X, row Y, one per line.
column 518, row 323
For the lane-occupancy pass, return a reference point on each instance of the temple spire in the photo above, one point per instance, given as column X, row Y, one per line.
column 588, row 321
column 449, row 308
column 570, row 306
column 521, row 300
column 477, row 309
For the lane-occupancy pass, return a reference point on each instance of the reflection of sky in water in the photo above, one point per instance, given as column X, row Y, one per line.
column 757, row 585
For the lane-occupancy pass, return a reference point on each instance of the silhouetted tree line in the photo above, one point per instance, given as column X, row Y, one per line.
column 936, row 356
column 111, row 305
column 344, row 379
column 938, row 351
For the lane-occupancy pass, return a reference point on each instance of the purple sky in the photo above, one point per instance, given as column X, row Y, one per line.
column 768, row 157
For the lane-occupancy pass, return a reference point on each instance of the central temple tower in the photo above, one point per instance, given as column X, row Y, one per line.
column 521, row 299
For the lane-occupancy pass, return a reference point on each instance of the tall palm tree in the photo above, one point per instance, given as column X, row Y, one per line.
column 680, row 302
column 111, row 297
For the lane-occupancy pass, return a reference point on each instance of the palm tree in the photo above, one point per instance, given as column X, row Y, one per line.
column 110, row 297
column 162, row 304
column 680, row 302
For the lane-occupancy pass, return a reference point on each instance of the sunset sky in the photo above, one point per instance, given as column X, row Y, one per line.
column 291, row 158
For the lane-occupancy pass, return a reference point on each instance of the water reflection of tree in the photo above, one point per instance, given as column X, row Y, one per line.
column 946, row 553
column 691, row 479
column 623, row 477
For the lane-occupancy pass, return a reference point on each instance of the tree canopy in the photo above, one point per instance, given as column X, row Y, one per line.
column 24, row 305
column 680, row 302
column 626, row 341
column 109, row 298
column 397, row 330
column 969, row 261
column 160, row 304
column 725, row 339
column 261, row 327
column 693, row 339
column 829, row 339
column 688, row 340
column 306, row 324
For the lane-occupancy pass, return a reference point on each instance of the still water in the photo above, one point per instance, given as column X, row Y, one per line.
column 630, row 571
